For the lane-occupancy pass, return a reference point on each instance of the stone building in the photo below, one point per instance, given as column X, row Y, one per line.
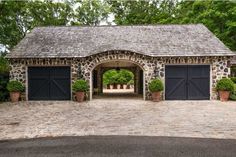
column 189, row 59
column 233, row 66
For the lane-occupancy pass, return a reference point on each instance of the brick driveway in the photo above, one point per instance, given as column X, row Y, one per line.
column 206, row 119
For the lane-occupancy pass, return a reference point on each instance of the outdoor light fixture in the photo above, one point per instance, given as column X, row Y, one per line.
column 117, row 68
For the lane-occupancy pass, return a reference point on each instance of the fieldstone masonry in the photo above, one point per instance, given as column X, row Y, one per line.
column 152, row 66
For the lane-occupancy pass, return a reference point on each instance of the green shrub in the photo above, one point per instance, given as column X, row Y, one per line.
column 4, row 93
column 156, row 85
column 116, row 76
column 80, row 86
column 233, row 79
column 15, row 86
column 233, row 94
column 233, row 70
column 121, row 80
column 225, row 84
column 131, row 82
column 4, row 65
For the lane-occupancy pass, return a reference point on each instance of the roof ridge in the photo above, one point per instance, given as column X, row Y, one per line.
column 63, row 26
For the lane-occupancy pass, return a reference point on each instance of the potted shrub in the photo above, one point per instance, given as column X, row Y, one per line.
column 224, row 87
column 15, row 88
column 121, row 81
column 80, row 87
column 125, row 86
column 155, row 87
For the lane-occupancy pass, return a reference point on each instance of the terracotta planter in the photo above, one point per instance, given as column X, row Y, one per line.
column 111, row 86
column 124, row 86
column 156, row 96
column 121, row 86
column 118, row 86
column 115, row 86
column 14, row 96
column 80, row 96
column 224, row 95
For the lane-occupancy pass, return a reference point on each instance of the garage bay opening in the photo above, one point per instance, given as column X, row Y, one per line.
column 117, row 79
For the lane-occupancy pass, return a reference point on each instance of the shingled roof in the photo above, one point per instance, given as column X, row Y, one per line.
column 151, row 40
column 233, row 61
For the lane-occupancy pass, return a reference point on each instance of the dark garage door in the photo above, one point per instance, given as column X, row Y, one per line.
column 49, row 83
column 187, row 82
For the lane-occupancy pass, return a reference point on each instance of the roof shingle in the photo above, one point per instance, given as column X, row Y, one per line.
column 152, row 40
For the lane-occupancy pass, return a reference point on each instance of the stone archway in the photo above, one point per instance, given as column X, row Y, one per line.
column 144, row 62
column 98, row 88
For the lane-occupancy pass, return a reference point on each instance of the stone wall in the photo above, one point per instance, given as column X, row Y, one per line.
column 152, row 66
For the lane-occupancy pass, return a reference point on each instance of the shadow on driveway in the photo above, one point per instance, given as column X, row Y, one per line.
column 118, row 146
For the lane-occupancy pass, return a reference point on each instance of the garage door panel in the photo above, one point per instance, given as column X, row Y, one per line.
column 176, row 71
column 199, row 78
column 60, row 73
column 49, row 83
column 38, row 89
column 195, row 80
column 60, row 86
column 36, row 73
column 196, row 71
column 198, row 89
column 175, row 82
column 176, row 88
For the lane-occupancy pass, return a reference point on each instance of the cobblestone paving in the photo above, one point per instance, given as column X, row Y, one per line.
column 206, row 119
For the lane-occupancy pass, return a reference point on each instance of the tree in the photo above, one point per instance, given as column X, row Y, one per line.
column 142, row 12
column 19, row 17
column 91, row 12
column 217, row 16
column 4, row 65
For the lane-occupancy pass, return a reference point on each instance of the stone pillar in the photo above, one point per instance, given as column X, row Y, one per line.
column 99, row 78
column 137, row 80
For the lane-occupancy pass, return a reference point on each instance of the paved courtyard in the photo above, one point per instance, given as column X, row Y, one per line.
column 204, row 119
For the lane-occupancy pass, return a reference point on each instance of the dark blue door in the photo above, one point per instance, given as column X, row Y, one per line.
column 187, row 82
column 49, row 83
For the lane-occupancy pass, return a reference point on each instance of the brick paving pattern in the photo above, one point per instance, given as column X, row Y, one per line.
column 206, row 119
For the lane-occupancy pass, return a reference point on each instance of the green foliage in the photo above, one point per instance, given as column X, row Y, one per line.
column 117, row 77
column 233, row 79
column 218, row 16
column 4, row 65
column 4, row 94
column 15, row 86
column 122, row 80
column 233, row 70
column 19, row 17
column 156, row 85
column 225, row 84
column 80, row 86
column 109, row 77
column 4, row 78
column 131, row 82
column 91, row 12
column 233, row 94
column 142, row 12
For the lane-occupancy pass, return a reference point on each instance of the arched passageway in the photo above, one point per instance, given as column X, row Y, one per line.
column 103, row 87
